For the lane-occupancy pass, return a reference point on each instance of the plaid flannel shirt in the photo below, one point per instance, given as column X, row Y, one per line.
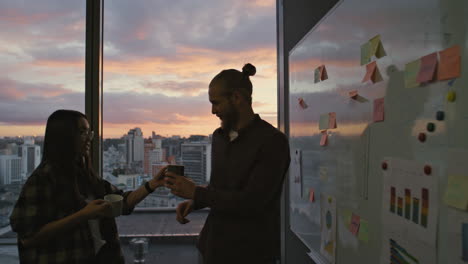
column 36, row 207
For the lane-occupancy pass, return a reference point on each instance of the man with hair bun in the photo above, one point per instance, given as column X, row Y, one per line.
column 249, row 160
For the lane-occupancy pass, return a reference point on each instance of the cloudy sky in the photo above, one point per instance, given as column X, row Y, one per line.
column 159, row 57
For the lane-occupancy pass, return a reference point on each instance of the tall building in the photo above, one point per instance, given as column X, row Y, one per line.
column 10, row 169
column 30, row 156
column 131, row 181
column 154, row 153
column 134, row 143
column 196, row 157
column 148, row 146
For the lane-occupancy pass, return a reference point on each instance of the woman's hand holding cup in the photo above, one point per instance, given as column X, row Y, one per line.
column 97, row 209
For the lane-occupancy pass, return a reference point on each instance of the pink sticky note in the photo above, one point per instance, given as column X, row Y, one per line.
column 311, row 195
column 353, row 94
column 449, row 64
column 427, row 68
column 370, row 69
column 355, row 223
column 302, row 103
column 324, row 138
column 379, row 110
column 332, row 120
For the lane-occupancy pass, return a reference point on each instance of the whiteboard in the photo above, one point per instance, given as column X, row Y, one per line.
column 349, row 167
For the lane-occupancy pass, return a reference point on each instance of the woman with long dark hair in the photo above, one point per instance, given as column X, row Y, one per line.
column 60, row 215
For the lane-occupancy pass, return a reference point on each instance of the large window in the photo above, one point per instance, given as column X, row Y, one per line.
column 159, row 57
column 42, row 57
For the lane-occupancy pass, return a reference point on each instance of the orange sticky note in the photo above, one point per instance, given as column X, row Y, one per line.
column 311, row 195
column 427, row 68
column 353, row 94
column 302, row 103
column 332, row 120
column 449, row 63
column 320, row 74
column 379, row 110
column 372, row 73
column 370, row 68
column 323, row 73
column 324, row 138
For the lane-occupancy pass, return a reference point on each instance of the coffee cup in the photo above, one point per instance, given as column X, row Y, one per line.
column 116, row 202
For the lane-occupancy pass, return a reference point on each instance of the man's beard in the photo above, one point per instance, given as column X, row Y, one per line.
column 230, row 119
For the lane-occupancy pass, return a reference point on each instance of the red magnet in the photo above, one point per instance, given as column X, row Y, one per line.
column 422, row 137
column 427, row 170
column 384, row 165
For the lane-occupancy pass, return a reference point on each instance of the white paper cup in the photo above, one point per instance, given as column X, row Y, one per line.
column 116, row 202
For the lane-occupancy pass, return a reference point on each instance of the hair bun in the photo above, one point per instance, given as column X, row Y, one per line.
column 249, row 69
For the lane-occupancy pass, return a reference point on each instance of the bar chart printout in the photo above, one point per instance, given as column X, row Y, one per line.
column 409, row 213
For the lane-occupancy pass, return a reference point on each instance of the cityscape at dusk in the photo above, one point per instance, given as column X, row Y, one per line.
column 159, row 58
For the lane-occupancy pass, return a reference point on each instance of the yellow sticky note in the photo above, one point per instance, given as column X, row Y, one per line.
column 365, row 53
column 374, row 44
column 411, row 73
column 364, row 231
column 456, row 194
column 376, row 47
column 346, row 214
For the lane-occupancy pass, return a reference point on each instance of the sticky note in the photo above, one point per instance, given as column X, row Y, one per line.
column 320, row 74
column 363, row 231
column 456, row 193
column 346, row 215
column 379, row 110
column 332, row 120
column 323, row 122
column 376, row 77
column 302, row 103
column 365, row 53
column 323, row 73
column 311, row 195
column 355, row 222
column 427, row 68
column 372, row 73
column 317, row 75
column 464, row 234
column 411, row 73
column 449, row 63
column 376, row 47
column 324, row 138
column 370, row 68
column 353, row 94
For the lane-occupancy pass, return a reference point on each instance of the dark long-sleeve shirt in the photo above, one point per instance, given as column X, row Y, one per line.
column 244, row 195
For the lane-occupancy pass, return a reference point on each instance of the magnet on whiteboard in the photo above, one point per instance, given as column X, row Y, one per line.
column 422, row 137
column 427, row 170
column 430, row 127
column 384, row 165
column 440, row 115
column 451, row 96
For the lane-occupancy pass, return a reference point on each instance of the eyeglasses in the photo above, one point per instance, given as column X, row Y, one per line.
column 87, row 134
